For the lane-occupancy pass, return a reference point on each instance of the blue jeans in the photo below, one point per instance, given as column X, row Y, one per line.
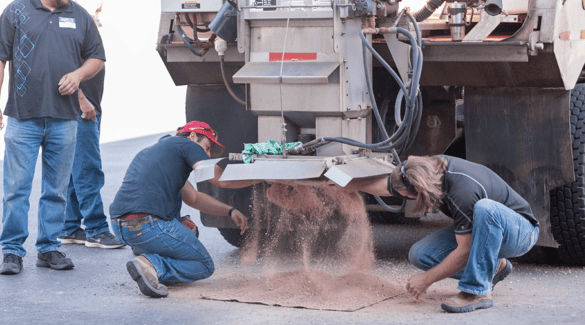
column 174, row 251
column 23, row 139
column 498, row 232
column 87, row 179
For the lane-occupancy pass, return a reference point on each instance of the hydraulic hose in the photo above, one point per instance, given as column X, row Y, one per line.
column 408, row 126
column 428, row 9
column 398, row 105
column 405, row 134
column 227, row 85
column 187, row 41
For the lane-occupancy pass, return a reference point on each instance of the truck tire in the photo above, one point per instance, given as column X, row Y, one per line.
column 567, row 212
column 235, row 126
column 232, row 236
column 287, row 235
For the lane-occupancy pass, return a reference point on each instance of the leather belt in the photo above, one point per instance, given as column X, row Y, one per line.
column 133, row 216
column 136, row 219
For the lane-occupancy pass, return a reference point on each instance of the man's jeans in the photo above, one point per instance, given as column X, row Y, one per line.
column 87, row 179
column 174, row 251
column 23, row 139
column 498, row 232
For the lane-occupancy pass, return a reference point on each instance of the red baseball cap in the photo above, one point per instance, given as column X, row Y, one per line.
column 217, row 149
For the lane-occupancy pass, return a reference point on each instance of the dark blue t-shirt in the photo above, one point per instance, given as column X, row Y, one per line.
column 43, row 46
column 155, row 178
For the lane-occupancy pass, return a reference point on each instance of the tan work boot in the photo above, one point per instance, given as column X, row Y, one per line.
column 142, row 271
column 465, row 302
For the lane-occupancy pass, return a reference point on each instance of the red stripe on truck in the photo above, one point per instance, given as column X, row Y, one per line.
column 292, row 56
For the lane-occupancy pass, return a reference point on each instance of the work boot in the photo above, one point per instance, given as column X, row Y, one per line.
column 502, row 272
column 77, row 237
column 142, row 271
column 465, row 302
column 55, row 260
column 104, row 240
column 12, row 264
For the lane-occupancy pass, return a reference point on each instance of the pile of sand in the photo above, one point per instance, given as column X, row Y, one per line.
column 309, row 289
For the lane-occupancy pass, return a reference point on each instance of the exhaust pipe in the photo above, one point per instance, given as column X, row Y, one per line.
column 493, row 7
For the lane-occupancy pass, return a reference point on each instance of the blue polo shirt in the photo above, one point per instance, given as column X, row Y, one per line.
column 43, row 46
column 155, row 178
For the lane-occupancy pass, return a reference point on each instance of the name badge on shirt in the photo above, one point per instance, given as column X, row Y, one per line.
column 66, row 22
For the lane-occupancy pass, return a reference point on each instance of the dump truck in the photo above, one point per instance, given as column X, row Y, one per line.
column 362, row 84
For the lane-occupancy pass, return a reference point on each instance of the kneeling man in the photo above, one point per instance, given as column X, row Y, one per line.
column 146, row 210
column 491, row 222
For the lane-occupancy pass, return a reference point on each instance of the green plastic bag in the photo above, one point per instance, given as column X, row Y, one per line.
column 265, row 148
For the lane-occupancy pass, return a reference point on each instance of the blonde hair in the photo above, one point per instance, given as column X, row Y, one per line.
column 426, row 176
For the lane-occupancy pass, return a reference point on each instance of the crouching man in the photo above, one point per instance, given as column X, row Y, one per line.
column 145, row 212
column 491, row 222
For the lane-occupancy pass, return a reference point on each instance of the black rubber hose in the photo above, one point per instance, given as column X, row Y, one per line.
column 428, row 9
column 187, row 41
column 389, row 208
column 227, row 85
column 403, row 137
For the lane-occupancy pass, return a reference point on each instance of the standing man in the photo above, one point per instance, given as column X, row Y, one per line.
column 52, row 46
column 146, row 210
column 491, row 222
column 84, row 201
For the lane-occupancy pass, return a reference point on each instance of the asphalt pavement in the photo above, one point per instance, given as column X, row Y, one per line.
column 100, row 291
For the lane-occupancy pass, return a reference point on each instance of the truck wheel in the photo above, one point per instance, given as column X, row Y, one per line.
column 235, row 126
column 567, row 212
column 232, row 236
column 290, row 233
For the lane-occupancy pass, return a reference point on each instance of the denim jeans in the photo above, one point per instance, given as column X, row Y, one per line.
column 174, row 251
column 84, row 201
column 23, row 139
column 498, row 232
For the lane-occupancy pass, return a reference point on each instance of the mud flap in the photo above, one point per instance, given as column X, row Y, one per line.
column 522, row 134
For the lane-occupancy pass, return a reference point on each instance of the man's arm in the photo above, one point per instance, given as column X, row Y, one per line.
column 453, row 263
column 69, row 83
column 2, row 65
column 87, row 109
column 209, row 205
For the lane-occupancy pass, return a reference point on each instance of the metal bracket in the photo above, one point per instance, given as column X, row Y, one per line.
column 484, row 28
column 400, row 52
column 243, row 35
column 205, row 169
column 533, row 44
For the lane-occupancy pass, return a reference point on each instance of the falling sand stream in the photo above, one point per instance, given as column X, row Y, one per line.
column 311, row 247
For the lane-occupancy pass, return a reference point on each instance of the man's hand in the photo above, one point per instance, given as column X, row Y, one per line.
column 87, row 109
column 69, row 83
column 240, row 220
column 417, row 285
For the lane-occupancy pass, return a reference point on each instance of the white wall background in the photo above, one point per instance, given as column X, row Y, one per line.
column 140, row 97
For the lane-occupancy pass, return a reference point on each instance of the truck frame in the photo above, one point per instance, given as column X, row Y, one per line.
column 498, row 86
